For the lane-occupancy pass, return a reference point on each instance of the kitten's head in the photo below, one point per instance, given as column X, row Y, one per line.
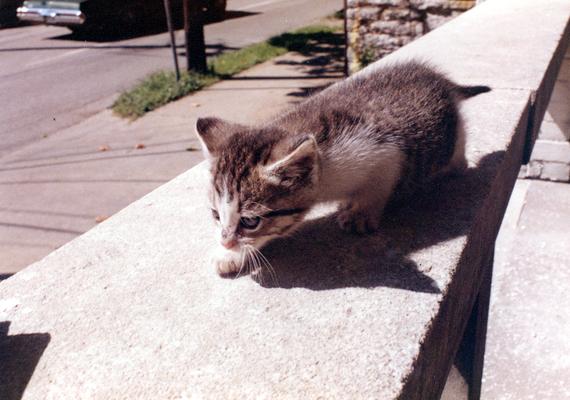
column 263, row 180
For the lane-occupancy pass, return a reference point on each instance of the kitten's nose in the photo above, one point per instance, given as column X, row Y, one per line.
column 229, row 243
column 228, row 238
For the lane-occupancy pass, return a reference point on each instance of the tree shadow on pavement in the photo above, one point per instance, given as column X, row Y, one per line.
column 323, row 53
column 325, row 57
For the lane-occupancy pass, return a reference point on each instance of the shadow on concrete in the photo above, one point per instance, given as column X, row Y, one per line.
column 325, row 52
column 19, row 356
column 443, row 211
column 4, row 277
column 307, row 91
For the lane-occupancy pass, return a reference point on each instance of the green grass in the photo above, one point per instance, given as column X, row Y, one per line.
column 228, row 64
column 157, row 90
column 161, row 88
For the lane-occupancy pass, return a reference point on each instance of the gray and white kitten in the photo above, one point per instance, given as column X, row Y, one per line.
column 358, row 142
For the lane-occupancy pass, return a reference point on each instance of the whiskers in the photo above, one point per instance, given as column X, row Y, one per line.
column 256, row 264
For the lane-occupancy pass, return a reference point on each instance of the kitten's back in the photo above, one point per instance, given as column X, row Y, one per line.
column 409, row 105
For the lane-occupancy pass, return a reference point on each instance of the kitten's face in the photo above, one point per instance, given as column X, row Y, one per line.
column 263, row 183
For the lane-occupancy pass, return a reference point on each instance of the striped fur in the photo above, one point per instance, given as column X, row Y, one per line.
column 360, row 142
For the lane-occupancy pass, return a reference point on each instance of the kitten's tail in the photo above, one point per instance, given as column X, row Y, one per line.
column 469, row 91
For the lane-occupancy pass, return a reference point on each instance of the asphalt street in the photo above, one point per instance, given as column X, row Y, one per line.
column 50, row 79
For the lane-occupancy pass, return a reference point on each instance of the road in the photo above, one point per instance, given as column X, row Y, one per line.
column 50, row 80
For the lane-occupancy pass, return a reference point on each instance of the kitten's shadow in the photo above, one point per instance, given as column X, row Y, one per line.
column 320, row 256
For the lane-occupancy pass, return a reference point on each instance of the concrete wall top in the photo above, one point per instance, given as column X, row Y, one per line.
column 133, row 308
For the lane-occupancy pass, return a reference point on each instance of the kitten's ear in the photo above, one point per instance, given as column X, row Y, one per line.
column 298, row 166
column 213, row 132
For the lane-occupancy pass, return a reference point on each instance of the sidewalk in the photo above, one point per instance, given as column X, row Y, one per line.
column 56, row 189
column 527, row 354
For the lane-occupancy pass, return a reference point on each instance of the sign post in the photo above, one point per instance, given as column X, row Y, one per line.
column 167, row 10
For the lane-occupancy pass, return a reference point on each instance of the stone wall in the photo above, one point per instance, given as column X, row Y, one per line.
column 379, row 27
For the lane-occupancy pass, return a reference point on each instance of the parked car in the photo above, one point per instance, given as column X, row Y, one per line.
column 100, row 15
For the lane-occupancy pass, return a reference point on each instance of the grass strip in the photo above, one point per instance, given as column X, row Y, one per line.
column 161, row 87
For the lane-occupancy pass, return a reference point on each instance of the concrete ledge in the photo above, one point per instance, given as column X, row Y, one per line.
column 133, row 308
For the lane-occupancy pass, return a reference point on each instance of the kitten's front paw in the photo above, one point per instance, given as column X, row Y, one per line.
column 227, row 263
column 356, row 220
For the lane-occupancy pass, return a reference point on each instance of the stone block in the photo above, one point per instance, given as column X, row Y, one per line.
column 385, row 26
column 551, row 151
column 380, row 41
column 363, row 31
column 398, row 28
column 368, row 13
column 404, row 40
column 425, row 4
column 351, row 15
column 461, row 5
column 395, row 3
column 557, row 172
column 550, row 130
column 532, row 170
column 393, row 13
column 434, row 21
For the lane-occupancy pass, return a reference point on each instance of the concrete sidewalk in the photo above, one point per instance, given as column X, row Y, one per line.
column 56, row 189
column 527, row 354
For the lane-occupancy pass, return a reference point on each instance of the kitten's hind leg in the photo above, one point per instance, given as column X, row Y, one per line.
column 362, row 212
column 458, row 163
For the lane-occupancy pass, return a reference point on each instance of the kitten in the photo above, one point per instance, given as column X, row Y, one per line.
column 359, row 142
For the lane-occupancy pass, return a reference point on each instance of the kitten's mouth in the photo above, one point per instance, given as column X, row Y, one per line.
column 256, row 264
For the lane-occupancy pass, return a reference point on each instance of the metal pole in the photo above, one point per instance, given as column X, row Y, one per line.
column 346, row 41
column 172, row 37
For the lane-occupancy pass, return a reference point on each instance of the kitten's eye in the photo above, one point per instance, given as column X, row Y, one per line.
column 250, row 222
column 215, row 214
